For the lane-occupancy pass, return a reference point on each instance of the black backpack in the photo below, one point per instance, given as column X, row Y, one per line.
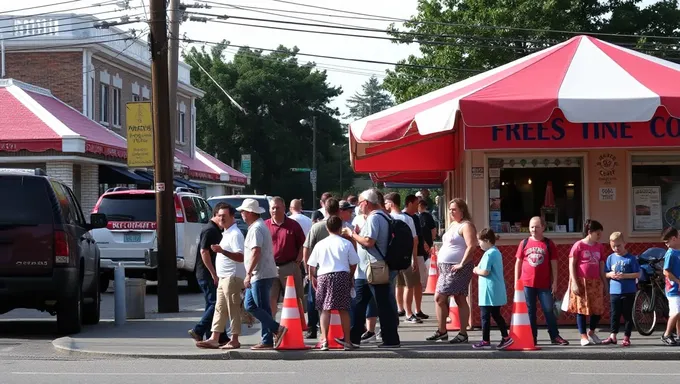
column 399, row 245
column 546, row 241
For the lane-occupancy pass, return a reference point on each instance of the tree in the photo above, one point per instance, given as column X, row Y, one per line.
column 460, row 38
column 276, row 93
column 370, row 100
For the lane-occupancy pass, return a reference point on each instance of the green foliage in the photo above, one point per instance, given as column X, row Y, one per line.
column 276, row 92
column 372, row 99
column 466, row 37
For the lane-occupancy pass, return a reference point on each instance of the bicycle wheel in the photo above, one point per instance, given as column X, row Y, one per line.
column 644, row 314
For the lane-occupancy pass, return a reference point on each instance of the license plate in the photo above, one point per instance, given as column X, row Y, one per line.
column 132, row 237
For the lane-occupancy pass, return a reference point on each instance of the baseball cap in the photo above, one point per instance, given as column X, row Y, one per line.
column 345, row 205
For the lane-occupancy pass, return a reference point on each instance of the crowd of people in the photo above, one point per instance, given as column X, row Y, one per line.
column 343, row 255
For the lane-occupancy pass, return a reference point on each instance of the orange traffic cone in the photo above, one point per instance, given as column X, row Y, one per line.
column 335, row 330
column 301, row 310
column 454, row 315
column 520, row 327
column 290, row 318
column 432, row 277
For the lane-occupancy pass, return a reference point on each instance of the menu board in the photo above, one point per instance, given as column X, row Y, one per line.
column 647, row 209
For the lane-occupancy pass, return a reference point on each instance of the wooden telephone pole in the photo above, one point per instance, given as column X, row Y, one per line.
column 168, row 300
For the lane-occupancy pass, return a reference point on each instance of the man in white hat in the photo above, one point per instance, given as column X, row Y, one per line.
column 260, row 274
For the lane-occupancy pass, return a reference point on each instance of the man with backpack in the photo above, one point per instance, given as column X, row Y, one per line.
column 375, row 245
column 536, row 265
column 408, row 279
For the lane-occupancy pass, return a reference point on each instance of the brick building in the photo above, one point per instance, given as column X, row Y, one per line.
column 95, row 72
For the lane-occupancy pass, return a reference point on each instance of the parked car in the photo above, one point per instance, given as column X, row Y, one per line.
column 236, row 200
column 131, row 232
column 48, row 259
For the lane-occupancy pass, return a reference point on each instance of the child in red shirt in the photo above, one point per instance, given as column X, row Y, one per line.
column 536, row 266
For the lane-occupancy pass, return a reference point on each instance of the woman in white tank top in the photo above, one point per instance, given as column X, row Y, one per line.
column 455, row 263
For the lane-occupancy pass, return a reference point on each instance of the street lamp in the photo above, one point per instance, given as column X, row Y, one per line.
column 313, row 173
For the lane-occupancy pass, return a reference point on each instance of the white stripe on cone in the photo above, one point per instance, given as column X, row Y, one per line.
column 519, row 297
column 290, row 313
column 520, row 319
column 452, row 302
column 290, row 293
column 335, row 318
column 432, row 272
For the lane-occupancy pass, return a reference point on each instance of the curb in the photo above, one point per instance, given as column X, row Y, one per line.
column 62, row 345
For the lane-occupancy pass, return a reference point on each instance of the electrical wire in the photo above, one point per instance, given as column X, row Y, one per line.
column 69, row 17
column 106, row 3
column 188, row 40
column 70, row 30
column 81, row 43
column 39, row 6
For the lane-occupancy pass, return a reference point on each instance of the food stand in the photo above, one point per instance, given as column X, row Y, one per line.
column 584, row 129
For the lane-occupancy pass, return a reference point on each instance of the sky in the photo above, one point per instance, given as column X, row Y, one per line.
column 349, row 75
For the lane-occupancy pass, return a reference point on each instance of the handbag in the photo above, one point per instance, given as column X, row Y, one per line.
column 378, row 273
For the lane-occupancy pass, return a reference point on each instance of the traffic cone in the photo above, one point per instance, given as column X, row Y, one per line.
column 301, row 310
column 454, row 315
column 432, row 277
column 290, row 318
column 520, row 327
column 335, row 330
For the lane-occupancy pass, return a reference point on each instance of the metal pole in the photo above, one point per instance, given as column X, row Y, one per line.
column 168, row 300
column 314, row 161
column 2, row 51
column 173, row 62
column 119, row 305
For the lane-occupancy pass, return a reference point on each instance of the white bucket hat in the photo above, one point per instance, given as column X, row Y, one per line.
column 251, row 205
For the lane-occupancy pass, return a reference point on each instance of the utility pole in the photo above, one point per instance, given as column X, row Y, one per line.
column 168, row 300
column 173, row 62
column 314, row 197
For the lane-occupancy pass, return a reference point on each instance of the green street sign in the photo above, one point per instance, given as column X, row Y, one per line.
column 301, row 169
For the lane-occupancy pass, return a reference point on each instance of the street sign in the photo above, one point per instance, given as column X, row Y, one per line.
column 301, row 169
column 312, row 176
column 246, row 165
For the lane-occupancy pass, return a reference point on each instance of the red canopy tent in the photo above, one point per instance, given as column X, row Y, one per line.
column 582, row 80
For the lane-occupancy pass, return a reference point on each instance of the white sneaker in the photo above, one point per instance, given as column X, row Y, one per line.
column 586, row 342
column 594, row 339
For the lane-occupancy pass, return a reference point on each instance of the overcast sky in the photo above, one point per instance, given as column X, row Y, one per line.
column 347, row 74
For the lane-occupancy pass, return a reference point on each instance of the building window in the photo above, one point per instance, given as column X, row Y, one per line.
column 116, row 107
column 520, row 188
column 180, row 126
column 656, row 192
column 103, row 103
column 135, row 97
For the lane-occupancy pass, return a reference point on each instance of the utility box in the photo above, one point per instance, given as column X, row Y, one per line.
column 135, row 297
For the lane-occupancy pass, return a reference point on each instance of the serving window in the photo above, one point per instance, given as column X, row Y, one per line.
column 655, row 192
column 520, row 188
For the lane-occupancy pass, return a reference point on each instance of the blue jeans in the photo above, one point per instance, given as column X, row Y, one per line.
column 581, row 322
column 312, row 313
column 204, row 325
column 387, row 310
column 371, row 308
column 545, row 297
column 257, row 303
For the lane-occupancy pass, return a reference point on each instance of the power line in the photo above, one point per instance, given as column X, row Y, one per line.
column 71, row 30
column 481, row 26
column 39, row 6
column 106, row 3
column 78, row 44
column 69, row 17
column 188, row 40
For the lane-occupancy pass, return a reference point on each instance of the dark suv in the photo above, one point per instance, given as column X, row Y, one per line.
column 48, row 259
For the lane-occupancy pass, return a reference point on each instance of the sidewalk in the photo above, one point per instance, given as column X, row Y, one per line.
column 164, row 336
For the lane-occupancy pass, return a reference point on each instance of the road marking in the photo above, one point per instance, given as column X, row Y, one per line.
column 623, row 374
column 151, row 373
column 6, row 349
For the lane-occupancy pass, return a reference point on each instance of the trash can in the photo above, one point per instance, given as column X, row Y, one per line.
column 135, row 295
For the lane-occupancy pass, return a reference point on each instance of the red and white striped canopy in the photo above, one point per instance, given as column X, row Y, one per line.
column 589, row 80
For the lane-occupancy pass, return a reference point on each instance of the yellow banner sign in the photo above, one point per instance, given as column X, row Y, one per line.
column 139, row 126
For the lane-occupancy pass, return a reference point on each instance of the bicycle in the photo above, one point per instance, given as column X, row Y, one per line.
column 650, row 300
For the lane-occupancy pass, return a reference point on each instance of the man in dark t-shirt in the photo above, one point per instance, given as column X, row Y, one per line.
column 428, row 227
column 211, row 234
column 411, row 209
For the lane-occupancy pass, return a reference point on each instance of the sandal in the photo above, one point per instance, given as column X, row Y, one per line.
column 207, row 344
column 459, row 339
column 626, row 342
column 609, row 340
column 230, row 346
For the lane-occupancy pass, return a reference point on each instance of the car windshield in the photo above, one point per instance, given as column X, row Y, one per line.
column 236, row 202
column 24, row 201
column 129, row 207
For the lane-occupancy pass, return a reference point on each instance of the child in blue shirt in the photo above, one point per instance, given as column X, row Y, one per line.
column 492, row 293
column 621, row 269
column 671, row 270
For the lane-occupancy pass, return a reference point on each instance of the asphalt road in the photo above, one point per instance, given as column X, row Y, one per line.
column 336, row 371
